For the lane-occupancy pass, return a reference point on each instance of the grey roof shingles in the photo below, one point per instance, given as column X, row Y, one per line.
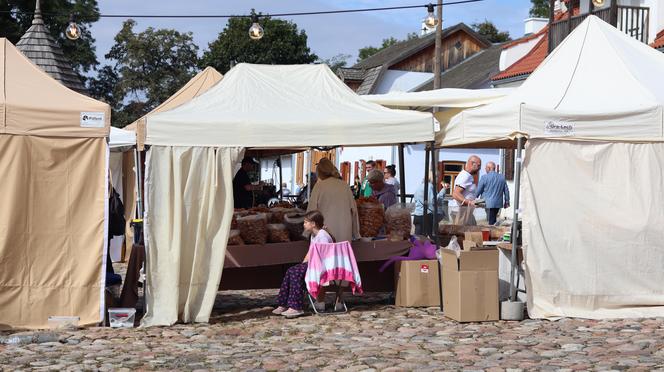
column 474, row 72
column 40, row 47
column 370, row 69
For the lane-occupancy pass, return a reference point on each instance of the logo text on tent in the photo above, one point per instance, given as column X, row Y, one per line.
column 558, row 128
column 92, row 119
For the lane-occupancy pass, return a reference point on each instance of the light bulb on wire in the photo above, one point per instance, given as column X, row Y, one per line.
column 598, row 3
column 430, row 21
column 255, row 31
column 73, row 32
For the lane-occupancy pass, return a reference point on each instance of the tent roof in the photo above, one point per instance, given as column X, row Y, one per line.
column 121, row 138
column 33, row 103
column 278, row 106
column 198, row 85
column 598, row 84
column 446, row 97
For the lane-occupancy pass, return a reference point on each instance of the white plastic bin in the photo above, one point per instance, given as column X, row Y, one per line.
column 121, row 317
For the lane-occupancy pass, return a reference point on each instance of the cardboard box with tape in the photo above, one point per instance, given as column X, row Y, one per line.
column 417, row 283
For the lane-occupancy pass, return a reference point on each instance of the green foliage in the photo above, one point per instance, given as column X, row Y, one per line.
column 490, row 32
column 282, row 43
column 368, row 51
column 149, row 67
column 81, row 53
column 539, row 8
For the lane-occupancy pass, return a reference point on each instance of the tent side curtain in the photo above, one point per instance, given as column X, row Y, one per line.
column 284, row 106
column 52, row 240
column 35, row 104
column 593, row 245
column 189, row 201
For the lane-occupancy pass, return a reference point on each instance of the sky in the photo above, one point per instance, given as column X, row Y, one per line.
column 329, row 35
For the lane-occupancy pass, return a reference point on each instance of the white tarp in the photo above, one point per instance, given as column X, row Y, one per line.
column 446, row 97
column 284, row 106
column 598, row 84
column 592, row 229
column 119, row 138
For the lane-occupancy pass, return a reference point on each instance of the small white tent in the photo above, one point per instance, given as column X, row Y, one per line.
column 195, row 147
column 446, row 97
column 592, row 216
column 119, row 138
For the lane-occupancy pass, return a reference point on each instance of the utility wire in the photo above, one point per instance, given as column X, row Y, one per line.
column 457, row 2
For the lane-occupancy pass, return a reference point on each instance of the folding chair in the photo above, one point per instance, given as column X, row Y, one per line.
column 333, row 267
column 338, row 286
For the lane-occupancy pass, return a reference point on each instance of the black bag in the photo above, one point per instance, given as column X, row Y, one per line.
column 116, row 219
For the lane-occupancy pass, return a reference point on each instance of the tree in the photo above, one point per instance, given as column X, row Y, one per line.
column 282, row 43
column 368, row 51
column 539, row 8
column 81, row 53
column 149, row 67
column 490, row 32
column 336, row 62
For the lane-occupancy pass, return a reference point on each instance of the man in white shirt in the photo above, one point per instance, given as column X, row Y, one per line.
column 464, row 193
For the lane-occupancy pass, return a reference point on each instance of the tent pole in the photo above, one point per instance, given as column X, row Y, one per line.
column 281, row 179
column 515, row 216
column 402, row 174
column 434, row 160
column 425, row 202
column 309, row 153
column 139, row 176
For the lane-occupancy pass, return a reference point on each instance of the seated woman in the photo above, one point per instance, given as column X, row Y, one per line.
column 291, row 294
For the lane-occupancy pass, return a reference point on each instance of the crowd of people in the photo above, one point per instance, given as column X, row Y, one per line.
column 332, row 211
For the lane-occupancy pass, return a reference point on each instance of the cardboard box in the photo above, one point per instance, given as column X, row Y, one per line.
column 470, row 285
column 416, row 283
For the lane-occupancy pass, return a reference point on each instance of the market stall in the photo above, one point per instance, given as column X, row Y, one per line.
column 593, row 117
column 194, row 151
column 54, row 166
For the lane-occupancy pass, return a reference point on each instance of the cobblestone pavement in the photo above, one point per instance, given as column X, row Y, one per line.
column 244, row 335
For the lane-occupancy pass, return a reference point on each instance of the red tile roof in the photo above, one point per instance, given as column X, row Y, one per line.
column 659, row 41
column 526, row 39
column 529, row 62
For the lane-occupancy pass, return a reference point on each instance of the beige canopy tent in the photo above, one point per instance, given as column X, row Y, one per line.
column 192, row 158
column 54, row 166
column 445, row 97
column 593, row 113
column 198, row 85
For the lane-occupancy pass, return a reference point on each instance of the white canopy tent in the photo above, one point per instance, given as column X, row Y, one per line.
column 445, row 98
column 119, row 138
column 593, row 116
column 193, row 153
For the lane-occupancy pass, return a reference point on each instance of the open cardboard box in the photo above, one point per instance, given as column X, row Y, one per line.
column 470, row 285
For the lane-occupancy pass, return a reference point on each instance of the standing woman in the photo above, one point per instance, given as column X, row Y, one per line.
column 390, row 173
column 333, row 198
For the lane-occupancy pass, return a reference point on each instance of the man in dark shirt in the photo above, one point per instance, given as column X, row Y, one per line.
column 242, row 187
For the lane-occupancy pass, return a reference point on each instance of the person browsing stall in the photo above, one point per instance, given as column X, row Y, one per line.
column 493, row 188
column 242, row 187
column 333, row 198
column 390, row 173
column 366, row 187
column 385, row 193
column 465, row 193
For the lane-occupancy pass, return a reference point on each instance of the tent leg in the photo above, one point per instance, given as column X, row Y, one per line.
column 281, row 179
column 139, row 176
column 309, row 153
column 434, row 160
column 425, row 202
column 515, row 216
column 402, row 174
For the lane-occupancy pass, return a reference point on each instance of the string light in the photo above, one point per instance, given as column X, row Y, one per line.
column 73, row 32
column 430, row 21
column 255, row 31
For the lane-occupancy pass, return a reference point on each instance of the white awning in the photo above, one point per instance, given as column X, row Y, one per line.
column 446, row 97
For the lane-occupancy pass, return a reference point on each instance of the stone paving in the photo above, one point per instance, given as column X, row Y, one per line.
column 373, row 336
